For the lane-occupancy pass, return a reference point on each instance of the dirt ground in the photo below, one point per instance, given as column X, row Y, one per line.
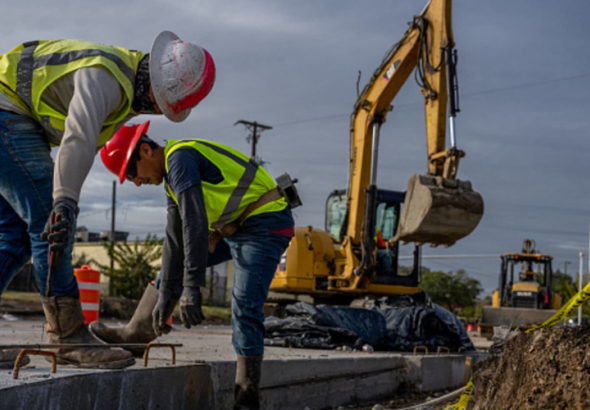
column 547, row 369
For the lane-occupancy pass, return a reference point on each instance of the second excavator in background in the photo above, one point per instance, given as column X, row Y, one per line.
column 357, row 253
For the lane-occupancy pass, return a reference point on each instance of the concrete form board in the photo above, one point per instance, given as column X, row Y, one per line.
column 286, row 384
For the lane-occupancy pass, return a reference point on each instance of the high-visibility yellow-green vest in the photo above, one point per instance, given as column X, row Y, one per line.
column 244, row 181
column 29, row 69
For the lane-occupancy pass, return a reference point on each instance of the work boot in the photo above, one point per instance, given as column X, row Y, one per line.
column 65, row 324
column 246, row 391
column 8, row 357
column 139, row 329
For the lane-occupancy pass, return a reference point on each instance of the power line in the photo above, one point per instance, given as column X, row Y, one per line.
column 475, row 93
column 451, row 256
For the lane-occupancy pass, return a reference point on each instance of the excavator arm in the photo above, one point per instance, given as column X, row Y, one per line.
column 438, row 208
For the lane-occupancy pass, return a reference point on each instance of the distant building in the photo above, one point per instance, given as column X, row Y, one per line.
column 84, row 235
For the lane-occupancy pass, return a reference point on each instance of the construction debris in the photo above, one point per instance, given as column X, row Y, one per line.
column 396, row 323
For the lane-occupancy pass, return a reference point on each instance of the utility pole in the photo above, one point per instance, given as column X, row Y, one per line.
column 580, row 286
column 114, row 200
column 256, row 129
column 565, row 266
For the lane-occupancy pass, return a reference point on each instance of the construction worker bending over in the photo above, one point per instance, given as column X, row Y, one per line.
column 75, row 95
column 210, row 187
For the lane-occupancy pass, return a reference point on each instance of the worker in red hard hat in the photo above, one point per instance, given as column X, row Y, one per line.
column 211, row 188
column 75, row 94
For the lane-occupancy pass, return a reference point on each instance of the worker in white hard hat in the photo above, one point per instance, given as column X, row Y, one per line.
column 75, row 94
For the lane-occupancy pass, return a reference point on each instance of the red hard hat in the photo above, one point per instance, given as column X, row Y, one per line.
column 116, row 153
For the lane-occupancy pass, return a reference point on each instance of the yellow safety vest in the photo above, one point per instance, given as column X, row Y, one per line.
column 244, row 181
column 29, row 69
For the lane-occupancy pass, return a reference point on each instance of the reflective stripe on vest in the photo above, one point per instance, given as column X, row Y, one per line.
column 22, row 84
column 248, row 180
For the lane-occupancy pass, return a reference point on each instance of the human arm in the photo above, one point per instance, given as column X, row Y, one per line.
column 95, row 94
column 184, row 177
column 172, row 270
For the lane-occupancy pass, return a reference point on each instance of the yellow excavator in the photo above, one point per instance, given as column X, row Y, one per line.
column 357, row 253
column 522, row 301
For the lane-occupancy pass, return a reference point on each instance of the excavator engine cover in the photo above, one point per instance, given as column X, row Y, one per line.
column 438, row 211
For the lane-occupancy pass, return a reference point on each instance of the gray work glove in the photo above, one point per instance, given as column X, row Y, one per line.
column 163, row 310
column 64, row 213
column 190, row 306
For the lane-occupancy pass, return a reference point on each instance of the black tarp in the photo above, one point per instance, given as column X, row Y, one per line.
column 397, row 323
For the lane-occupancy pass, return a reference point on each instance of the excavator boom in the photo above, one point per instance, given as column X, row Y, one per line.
column 438, row 209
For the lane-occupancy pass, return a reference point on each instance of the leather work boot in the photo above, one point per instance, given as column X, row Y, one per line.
column 8, row 357
column 65, row 324
column 138, row 330
column 246, row 391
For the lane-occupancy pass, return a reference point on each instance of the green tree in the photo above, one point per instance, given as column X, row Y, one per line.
column 135, row 267
column 81, row 260
column 451, row 289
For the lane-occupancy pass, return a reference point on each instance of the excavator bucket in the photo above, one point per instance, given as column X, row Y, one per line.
column 438, row 211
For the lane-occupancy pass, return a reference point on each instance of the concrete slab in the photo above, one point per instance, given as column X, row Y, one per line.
column 204, row 374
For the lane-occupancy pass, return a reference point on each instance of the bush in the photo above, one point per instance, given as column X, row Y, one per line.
column 135, row 269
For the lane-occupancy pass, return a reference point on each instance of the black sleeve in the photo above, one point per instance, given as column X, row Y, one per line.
column 173, row 251
column 195, row 232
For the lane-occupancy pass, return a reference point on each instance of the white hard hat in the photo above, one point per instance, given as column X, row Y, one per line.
column 181, row 75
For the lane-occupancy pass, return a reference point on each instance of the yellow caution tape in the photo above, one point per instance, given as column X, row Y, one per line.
column 565, row 310
column 464, row 399
column 572, row 304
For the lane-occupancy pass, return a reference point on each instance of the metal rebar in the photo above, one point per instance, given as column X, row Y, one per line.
column 146, row 354
column 27, row 352
column 420, row 348
column 80, row 345
column 441, row 348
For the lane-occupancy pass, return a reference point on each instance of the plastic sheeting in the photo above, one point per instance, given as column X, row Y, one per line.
column 397, row 323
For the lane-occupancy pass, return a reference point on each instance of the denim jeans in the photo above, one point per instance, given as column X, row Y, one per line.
column 255, row 257
column 26, row 188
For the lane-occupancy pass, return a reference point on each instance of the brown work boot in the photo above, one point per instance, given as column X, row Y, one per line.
column 246, row 391
column 138, row 330
column 8, row 357
column 65, row 324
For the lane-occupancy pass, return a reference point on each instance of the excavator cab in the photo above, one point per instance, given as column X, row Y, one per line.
column 387, row 216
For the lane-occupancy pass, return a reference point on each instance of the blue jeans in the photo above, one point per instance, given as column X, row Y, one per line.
column 26, row 188
column 255, row 257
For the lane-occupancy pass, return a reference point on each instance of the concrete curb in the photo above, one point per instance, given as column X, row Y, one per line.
column 286, row 384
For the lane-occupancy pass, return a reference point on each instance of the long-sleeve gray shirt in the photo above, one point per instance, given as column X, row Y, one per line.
column 87, row 97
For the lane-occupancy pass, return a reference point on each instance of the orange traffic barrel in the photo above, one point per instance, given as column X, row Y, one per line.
column 89, row 286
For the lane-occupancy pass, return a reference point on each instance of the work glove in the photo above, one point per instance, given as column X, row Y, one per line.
column 190, row 306
column 58, row 233
column 163, row 310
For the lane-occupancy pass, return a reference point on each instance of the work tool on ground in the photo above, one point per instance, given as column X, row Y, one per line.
column 344, row 260
column 526, row 300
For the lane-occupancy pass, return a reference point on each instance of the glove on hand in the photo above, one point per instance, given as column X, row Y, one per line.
column 58, row 234
column 190, row 307
column 163, row 310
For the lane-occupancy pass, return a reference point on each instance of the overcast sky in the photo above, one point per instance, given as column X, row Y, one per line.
column 524, row 76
